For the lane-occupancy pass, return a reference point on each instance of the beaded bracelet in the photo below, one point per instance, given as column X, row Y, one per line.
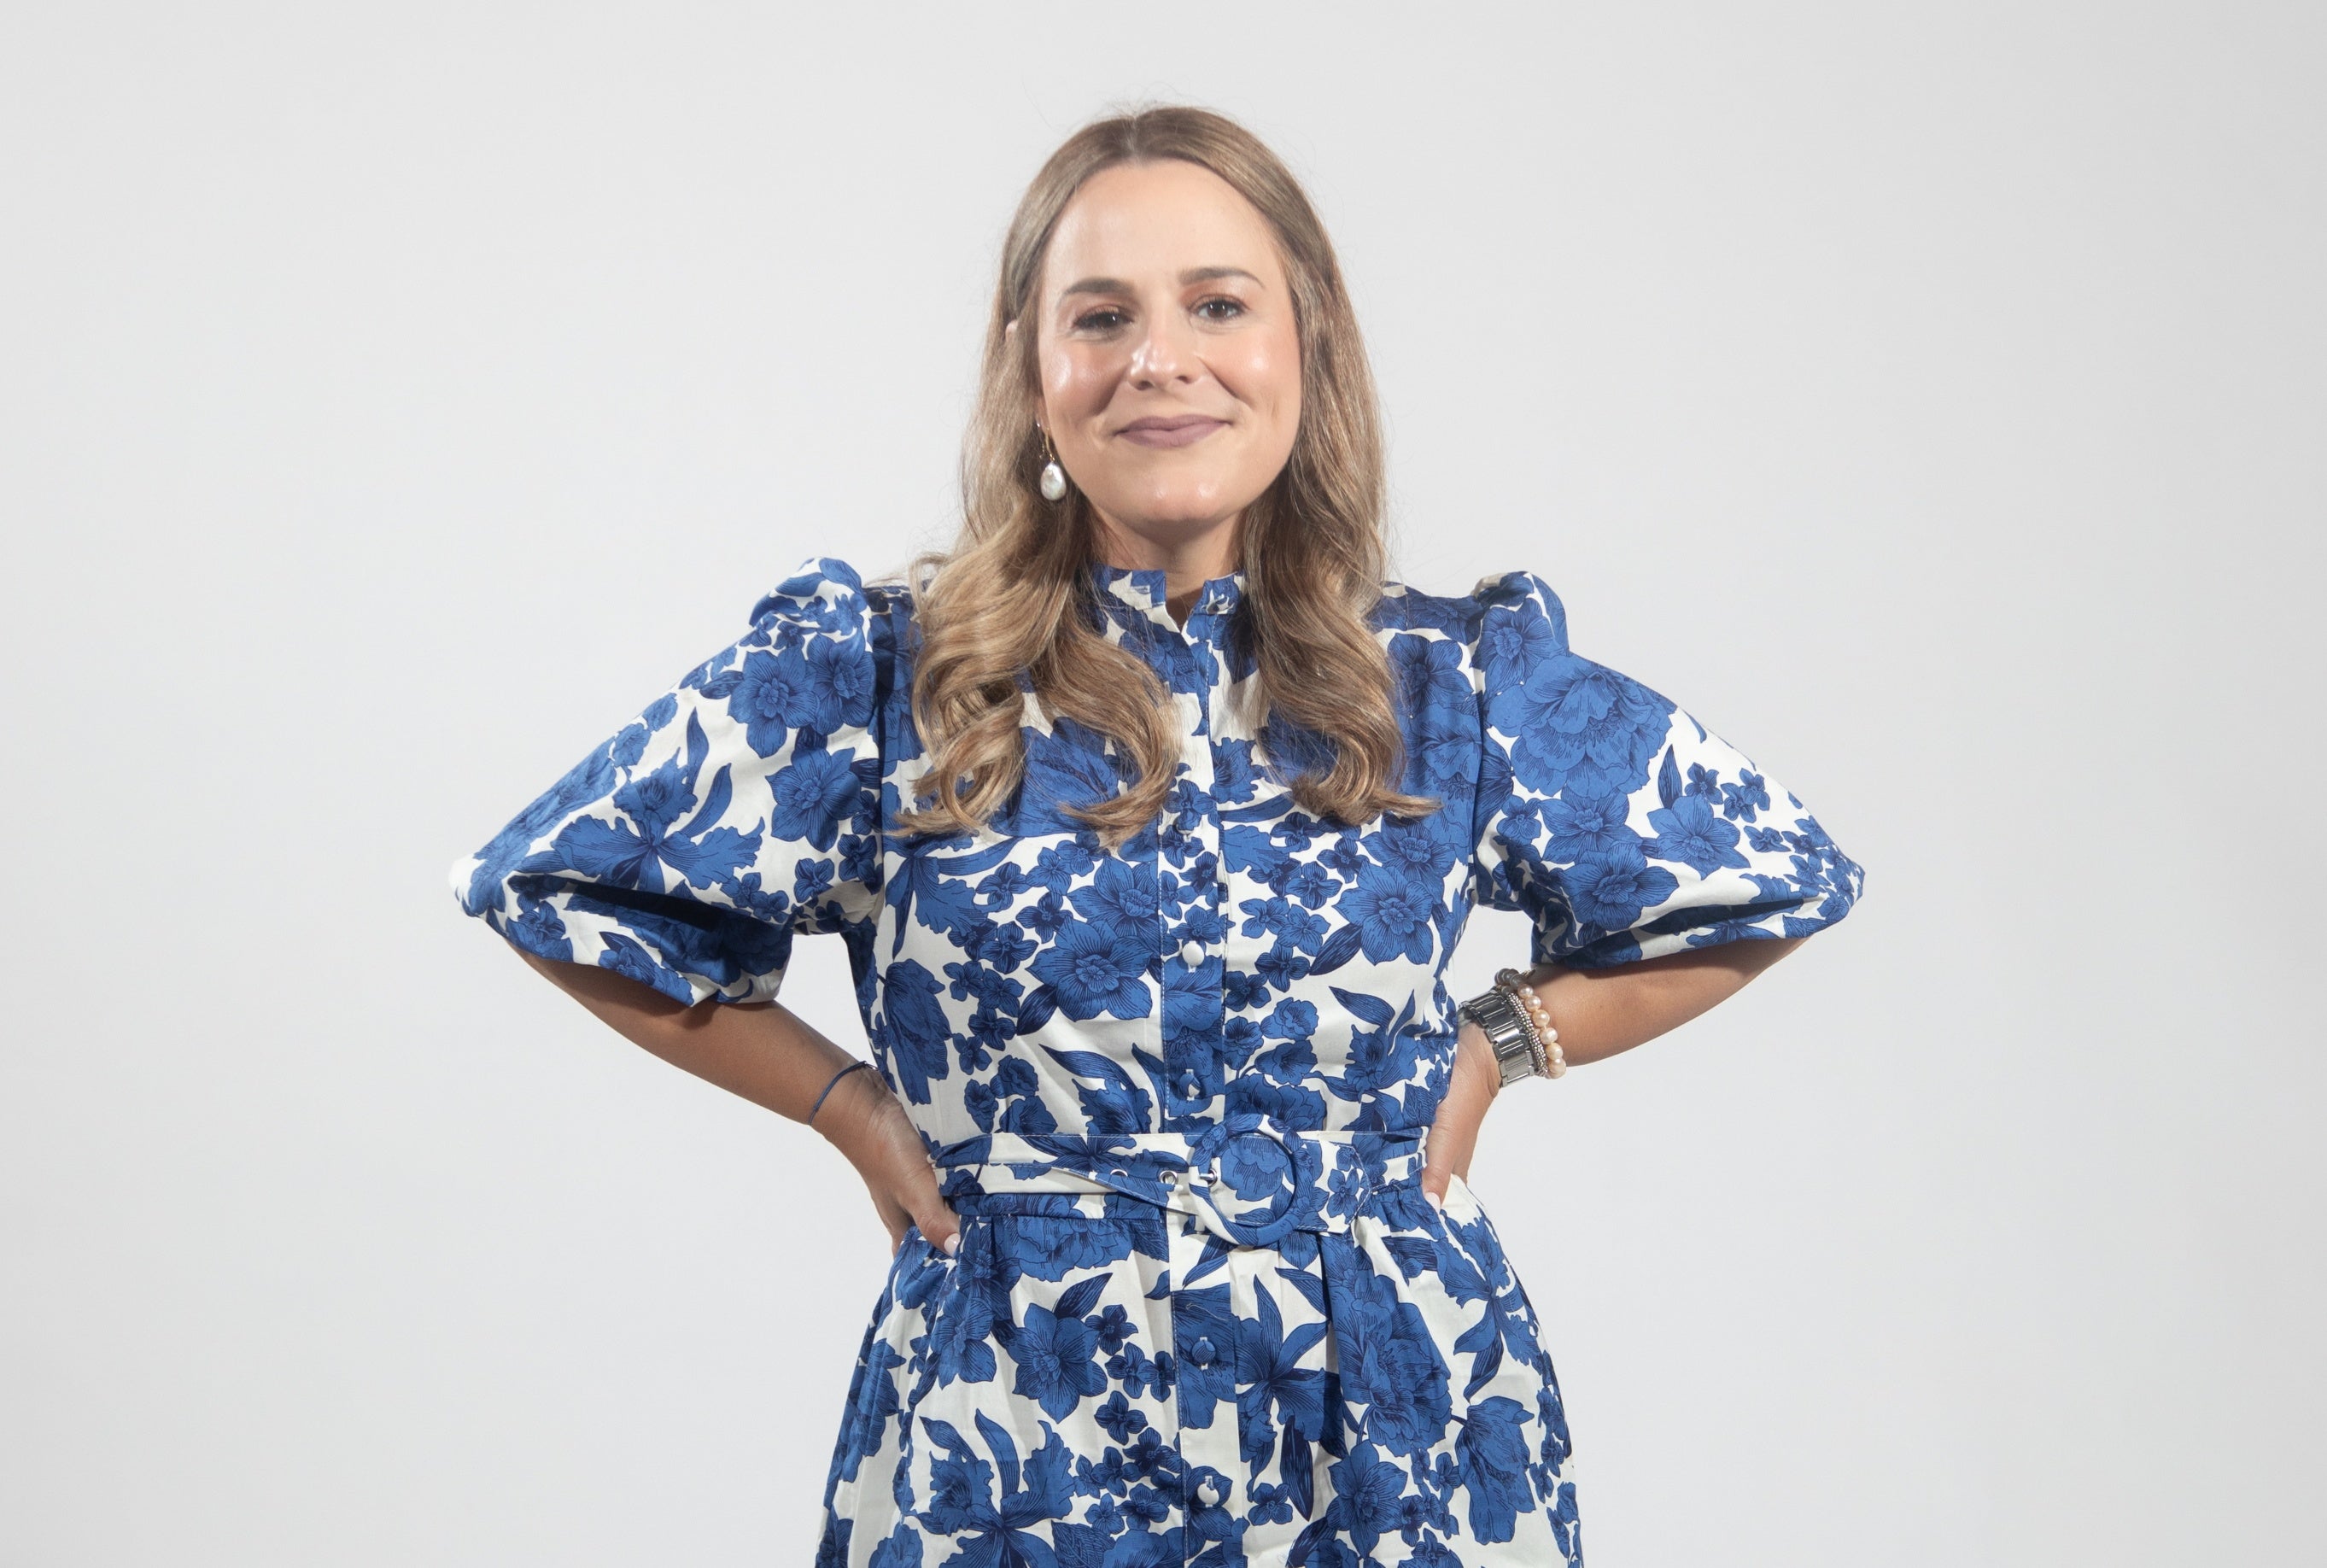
column 1537, row 1019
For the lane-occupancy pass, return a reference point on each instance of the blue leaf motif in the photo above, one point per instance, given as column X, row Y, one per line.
column 1338, row 950
column 1374, row 1010
column 1081, row 1296
column 1036, row 1010
column 1067, row 1024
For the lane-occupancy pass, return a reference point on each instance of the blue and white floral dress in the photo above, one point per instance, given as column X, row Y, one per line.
column 1201, row 1314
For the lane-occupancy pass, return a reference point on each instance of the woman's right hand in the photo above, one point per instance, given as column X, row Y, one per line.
column 867, row 1124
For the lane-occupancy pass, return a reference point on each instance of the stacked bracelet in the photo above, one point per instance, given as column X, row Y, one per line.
column 1517, row 1028
column 1550, row 1061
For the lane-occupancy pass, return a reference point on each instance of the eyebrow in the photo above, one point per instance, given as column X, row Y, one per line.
column 1104, row 285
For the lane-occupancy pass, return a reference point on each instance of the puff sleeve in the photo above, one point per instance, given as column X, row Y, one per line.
column 741, row 808
column 1620, row 825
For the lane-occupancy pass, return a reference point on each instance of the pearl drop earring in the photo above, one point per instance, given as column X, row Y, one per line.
column 1054, row 478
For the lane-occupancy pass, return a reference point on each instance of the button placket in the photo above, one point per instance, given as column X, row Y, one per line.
column 1200, row 838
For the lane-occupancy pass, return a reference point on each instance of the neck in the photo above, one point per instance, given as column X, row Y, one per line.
column 1187, row 562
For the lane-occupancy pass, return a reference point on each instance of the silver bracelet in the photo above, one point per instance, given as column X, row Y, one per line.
column 1504, row 1018
column 1518, row 1029
column 1550, row 1060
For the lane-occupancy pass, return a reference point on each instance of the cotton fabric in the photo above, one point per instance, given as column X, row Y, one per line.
column 1201, row 1314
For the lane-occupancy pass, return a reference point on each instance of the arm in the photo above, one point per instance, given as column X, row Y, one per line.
column 771, row 1057
column 1598, row 1013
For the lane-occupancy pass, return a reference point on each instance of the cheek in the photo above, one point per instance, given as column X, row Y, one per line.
column 1077, row 382
column 1263, row 372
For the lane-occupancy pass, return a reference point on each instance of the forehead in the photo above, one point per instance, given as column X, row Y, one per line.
column 1152, row 221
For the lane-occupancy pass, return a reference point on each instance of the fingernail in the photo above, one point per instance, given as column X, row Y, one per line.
column 1436, row 1201
column 951, row 1243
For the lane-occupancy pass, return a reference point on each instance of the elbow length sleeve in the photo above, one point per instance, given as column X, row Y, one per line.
column 1620, row 825
column 741, row 808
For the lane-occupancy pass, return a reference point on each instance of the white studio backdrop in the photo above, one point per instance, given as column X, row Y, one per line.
column 393, row 399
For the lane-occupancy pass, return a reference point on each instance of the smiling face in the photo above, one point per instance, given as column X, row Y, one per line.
column 1169, row 356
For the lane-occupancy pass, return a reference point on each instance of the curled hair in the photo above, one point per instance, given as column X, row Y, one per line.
column 1013, row 595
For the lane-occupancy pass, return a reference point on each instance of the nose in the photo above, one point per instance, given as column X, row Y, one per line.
column 1166, row 355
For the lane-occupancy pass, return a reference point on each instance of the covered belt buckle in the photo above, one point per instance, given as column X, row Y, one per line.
column 1251, row 1179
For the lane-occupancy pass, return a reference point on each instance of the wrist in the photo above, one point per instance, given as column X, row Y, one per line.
column 1472, row 1040
column 1517, row 1028
column 851, row 1105
column 845, row 1068
column 1543, row 1036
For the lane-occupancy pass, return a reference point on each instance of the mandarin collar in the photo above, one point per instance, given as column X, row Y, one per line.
column 1145, row 589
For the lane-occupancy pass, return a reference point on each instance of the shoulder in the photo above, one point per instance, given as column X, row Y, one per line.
column 817, row 652
column 823, row 593
column 827, row 601
column 1508, row 618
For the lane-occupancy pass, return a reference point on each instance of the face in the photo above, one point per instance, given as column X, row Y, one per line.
column 1169, row 356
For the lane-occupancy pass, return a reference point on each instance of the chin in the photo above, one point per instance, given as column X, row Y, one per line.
column 1178, row 509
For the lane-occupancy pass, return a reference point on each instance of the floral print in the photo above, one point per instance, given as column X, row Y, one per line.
column 1200, row 1314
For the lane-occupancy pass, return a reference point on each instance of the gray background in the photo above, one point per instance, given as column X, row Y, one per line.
column 393, row 399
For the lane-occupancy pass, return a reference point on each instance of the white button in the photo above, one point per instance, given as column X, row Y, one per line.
column 1192, row 954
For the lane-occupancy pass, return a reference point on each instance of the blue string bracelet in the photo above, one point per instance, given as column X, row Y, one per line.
column 843, row 1073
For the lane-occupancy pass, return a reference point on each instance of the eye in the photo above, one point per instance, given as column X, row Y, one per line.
column 1105, row 319
column 1220, row 308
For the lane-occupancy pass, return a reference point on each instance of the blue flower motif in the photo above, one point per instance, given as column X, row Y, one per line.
column 1608, row 889
column 1585, row 825
column 1293, row 927
column 1063, row 1021
column 1583, row 726
column 820, row 685
column 1117, row 1417
column 1141, row 1375
column 1050, row 1247
column 1097, row 970
column 1393, row 915
column 1688, row 832
column 1744, row 799
column 1369, row 1497
column 1057, row 1361
column 1121, row 894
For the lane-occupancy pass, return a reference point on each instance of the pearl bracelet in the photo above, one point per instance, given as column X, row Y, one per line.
column 1536, row 1019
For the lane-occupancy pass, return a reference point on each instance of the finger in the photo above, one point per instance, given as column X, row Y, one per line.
column 940, row 1225
column 1454, row 1132
column 1447, row 1150
column 894, row 1219
column 929, row 1208
column 1434, row 1185
column 873, row 1132
column 1469, row 1114
column 1445, row 1153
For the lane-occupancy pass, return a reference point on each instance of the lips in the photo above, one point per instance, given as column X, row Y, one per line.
column 1171, row 430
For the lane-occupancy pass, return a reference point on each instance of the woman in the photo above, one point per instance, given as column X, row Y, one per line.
column 1149, row 817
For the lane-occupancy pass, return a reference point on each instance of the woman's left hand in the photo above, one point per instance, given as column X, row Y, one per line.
column 1475, row 1082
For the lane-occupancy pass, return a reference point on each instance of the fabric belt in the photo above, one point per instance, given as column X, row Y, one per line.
column 1244, row 1178
column 1262, row 1234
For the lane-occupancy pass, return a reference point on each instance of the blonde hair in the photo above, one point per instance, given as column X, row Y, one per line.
column 1014, row 594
